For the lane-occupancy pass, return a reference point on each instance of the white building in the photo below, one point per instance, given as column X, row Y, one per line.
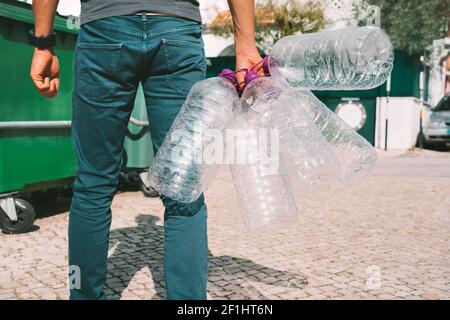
column 439, row 64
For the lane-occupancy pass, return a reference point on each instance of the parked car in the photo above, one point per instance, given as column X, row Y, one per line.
column 437, row 130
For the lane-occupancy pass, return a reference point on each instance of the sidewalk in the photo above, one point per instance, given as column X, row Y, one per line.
column 387, row 238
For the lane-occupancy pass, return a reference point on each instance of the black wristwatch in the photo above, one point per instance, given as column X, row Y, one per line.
column 41, row 42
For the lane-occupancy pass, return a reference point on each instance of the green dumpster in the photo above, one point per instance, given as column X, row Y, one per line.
column 138, row 153
column 36, row 154
column 35, row 146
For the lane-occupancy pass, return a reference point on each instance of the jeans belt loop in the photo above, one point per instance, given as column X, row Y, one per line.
column 144, row 16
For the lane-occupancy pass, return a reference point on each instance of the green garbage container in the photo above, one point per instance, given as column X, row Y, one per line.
column 138, row 153
column 36, row 154
column 35, row 146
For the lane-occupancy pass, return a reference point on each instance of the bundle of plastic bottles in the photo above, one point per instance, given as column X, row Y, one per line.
column 309, row 144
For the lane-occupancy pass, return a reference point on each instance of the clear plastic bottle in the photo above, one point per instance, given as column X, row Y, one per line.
column 180, row 169
column 346, row 59
column 306, row 156
column 265, row 198
column 355, row 154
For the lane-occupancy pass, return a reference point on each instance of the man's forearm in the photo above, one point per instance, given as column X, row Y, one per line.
column 44, row 16
column 243, row 13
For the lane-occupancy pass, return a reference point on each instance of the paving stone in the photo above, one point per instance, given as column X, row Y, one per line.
column 388, row 231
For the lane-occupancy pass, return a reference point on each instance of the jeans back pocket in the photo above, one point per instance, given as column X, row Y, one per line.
column 97, row 66
column 186, row 63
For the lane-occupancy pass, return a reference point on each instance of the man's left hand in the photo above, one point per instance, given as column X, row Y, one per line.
column 246, row 61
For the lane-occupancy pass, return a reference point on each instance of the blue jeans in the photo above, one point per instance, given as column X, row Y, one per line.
column 113, row 56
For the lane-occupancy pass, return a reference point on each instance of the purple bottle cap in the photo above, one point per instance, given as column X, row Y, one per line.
column 229, row 75
column 265, row 65
column 251, row 75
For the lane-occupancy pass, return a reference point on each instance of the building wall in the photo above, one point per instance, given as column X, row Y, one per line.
column 65, row 7
column 439, row 70
column 403, row 115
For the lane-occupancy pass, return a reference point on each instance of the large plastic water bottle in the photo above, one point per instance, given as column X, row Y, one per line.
column 265, row 199
column 181, row 169
column 346, row 59
column 355, row 154
column 306, row 156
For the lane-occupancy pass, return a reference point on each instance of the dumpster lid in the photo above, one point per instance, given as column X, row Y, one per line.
column 21, row 11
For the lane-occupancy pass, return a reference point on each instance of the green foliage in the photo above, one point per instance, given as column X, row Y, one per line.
column 273, row 21
column 413, row 24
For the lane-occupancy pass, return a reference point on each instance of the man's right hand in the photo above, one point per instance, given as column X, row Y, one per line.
column 45, row 72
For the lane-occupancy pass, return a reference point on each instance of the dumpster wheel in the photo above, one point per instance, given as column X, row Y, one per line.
column 25, row 218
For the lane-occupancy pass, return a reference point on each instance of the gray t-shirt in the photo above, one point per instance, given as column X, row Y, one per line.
column 98, row 9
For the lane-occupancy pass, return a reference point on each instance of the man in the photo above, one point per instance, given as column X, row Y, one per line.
column 121, row 44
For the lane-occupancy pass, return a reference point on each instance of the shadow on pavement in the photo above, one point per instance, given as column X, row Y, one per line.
column 142, row 246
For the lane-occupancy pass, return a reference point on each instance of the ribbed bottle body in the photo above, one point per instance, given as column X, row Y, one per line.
column 355, row 154
column 306, row 156
column 355, row 58
column 181, row 170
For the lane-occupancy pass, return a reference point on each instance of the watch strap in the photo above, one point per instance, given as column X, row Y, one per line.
column 43, row 42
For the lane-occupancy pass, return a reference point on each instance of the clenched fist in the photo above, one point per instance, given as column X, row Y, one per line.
column 45, row 72
column 246, row 60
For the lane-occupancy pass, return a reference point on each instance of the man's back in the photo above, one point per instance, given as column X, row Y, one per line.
column 98, row 9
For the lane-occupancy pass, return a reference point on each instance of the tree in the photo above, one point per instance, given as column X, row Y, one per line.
column 414, row 24
column 274, row 21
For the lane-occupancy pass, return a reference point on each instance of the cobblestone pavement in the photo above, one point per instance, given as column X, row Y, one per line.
column 386, row 238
